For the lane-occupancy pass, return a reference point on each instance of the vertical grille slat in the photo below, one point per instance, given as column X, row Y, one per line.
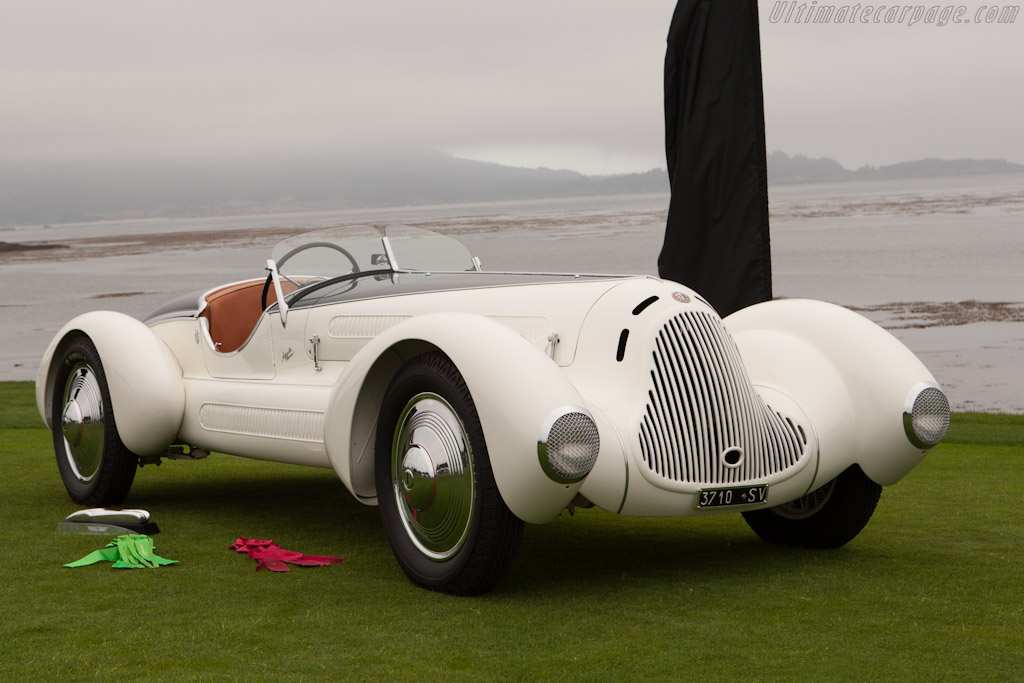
column 701, row 403
column 747, row 416
column 682, row 397
column 725, row 408
column 696, row 412
column 665, row 415
column 672, row 419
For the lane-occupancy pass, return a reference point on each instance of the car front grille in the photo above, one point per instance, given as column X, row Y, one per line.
column 704, row 423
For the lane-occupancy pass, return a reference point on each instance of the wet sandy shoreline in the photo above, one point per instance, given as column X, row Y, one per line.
column 962, row 316
column 890, row 315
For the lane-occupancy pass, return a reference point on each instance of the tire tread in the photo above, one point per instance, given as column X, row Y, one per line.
column 493, row 545
column 118, row 464
column 843, row 516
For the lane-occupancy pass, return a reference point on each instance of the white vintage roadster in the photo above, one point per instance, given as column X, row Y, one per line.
column 464, row 402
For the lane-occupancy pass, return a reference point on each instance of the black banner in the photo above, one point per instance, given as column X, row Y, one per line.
column 716, row 239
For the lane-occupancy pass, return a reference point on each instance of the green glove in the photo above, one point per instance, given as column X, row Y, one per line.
column 131, row 551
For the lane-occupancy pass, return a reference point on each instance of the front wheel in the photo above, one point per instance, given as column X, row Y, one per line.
column 96, row 467
column 445, row 519
column 828, row 517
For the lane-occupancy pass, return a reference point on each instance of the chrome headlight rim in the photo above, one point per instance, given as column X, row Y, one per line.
column 548, row 461
column 934, row 393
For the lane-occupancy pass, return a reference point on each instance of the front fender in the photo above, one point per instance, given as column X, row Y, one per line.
column 515, row 387
column 850, row 376
column 147, row 394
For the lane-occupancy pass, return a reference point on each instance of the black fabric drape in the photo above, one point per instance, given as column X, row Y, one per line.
column 716, row 239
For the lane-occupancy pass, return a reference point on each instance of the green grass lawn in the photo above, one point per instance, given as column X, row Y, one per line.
column 932, row 589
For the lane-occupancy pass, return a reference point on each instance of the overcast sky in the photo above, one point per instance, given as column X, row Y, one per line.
column 557, row 83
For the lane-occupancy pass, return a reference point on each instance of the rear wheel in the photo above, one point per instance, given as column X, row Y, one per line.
column 445, row 519
column 97, row 469
column 828, row 517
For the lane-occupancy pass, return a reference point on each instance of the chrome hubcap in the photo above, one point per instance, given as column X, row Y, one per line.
column 432, row 476
column 418, row 483
column 808, row 506
column 82, row 422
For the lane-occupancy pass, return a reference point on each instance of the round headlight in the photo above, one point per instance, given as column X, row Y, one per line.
column 926, row 415
column 568, row 445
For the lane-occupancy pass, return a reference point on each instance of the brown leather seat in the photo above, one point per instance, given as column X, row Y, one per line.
column 234, row 310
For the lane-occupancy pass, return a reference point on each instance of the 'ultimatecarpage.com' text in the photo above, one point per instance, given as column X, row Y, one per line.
column 910, row 15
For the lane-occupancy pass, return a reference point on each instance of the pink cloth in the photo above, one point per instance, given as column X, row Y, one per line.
column 271, row 556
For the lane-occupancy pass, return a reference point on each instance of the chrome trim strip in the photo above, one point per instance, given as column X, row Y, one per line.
column 526, row 272
column 392, row 295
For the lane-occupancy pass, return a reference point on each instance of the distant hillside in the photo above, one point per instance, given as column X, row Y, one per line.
column 62, row 194
column 40, row 193
column 786, row 170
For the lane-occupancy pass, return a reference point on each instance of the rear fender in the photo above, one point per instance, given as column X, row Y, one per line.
column 147, row 394
column 850, row 376
column 515, row 387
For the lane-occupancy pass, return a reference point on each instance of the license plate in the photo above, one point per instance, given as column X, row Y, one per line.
column 736, row 495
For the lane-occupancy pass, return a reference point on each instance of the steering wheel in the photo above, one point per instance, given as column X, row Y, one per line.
column 293, row 252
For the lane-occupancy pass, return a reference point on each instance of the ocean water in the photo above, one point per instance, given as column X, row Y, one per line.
column 865, row 245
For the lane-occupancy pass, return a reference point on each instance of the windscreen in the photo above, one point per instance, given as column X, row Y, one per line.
column 423, row 250
column 331, row 252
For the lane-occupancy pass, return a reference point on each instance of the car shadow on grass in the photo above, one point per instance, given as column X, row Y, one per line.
column 272, row 501
column 580, row 554
column 713, row 552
